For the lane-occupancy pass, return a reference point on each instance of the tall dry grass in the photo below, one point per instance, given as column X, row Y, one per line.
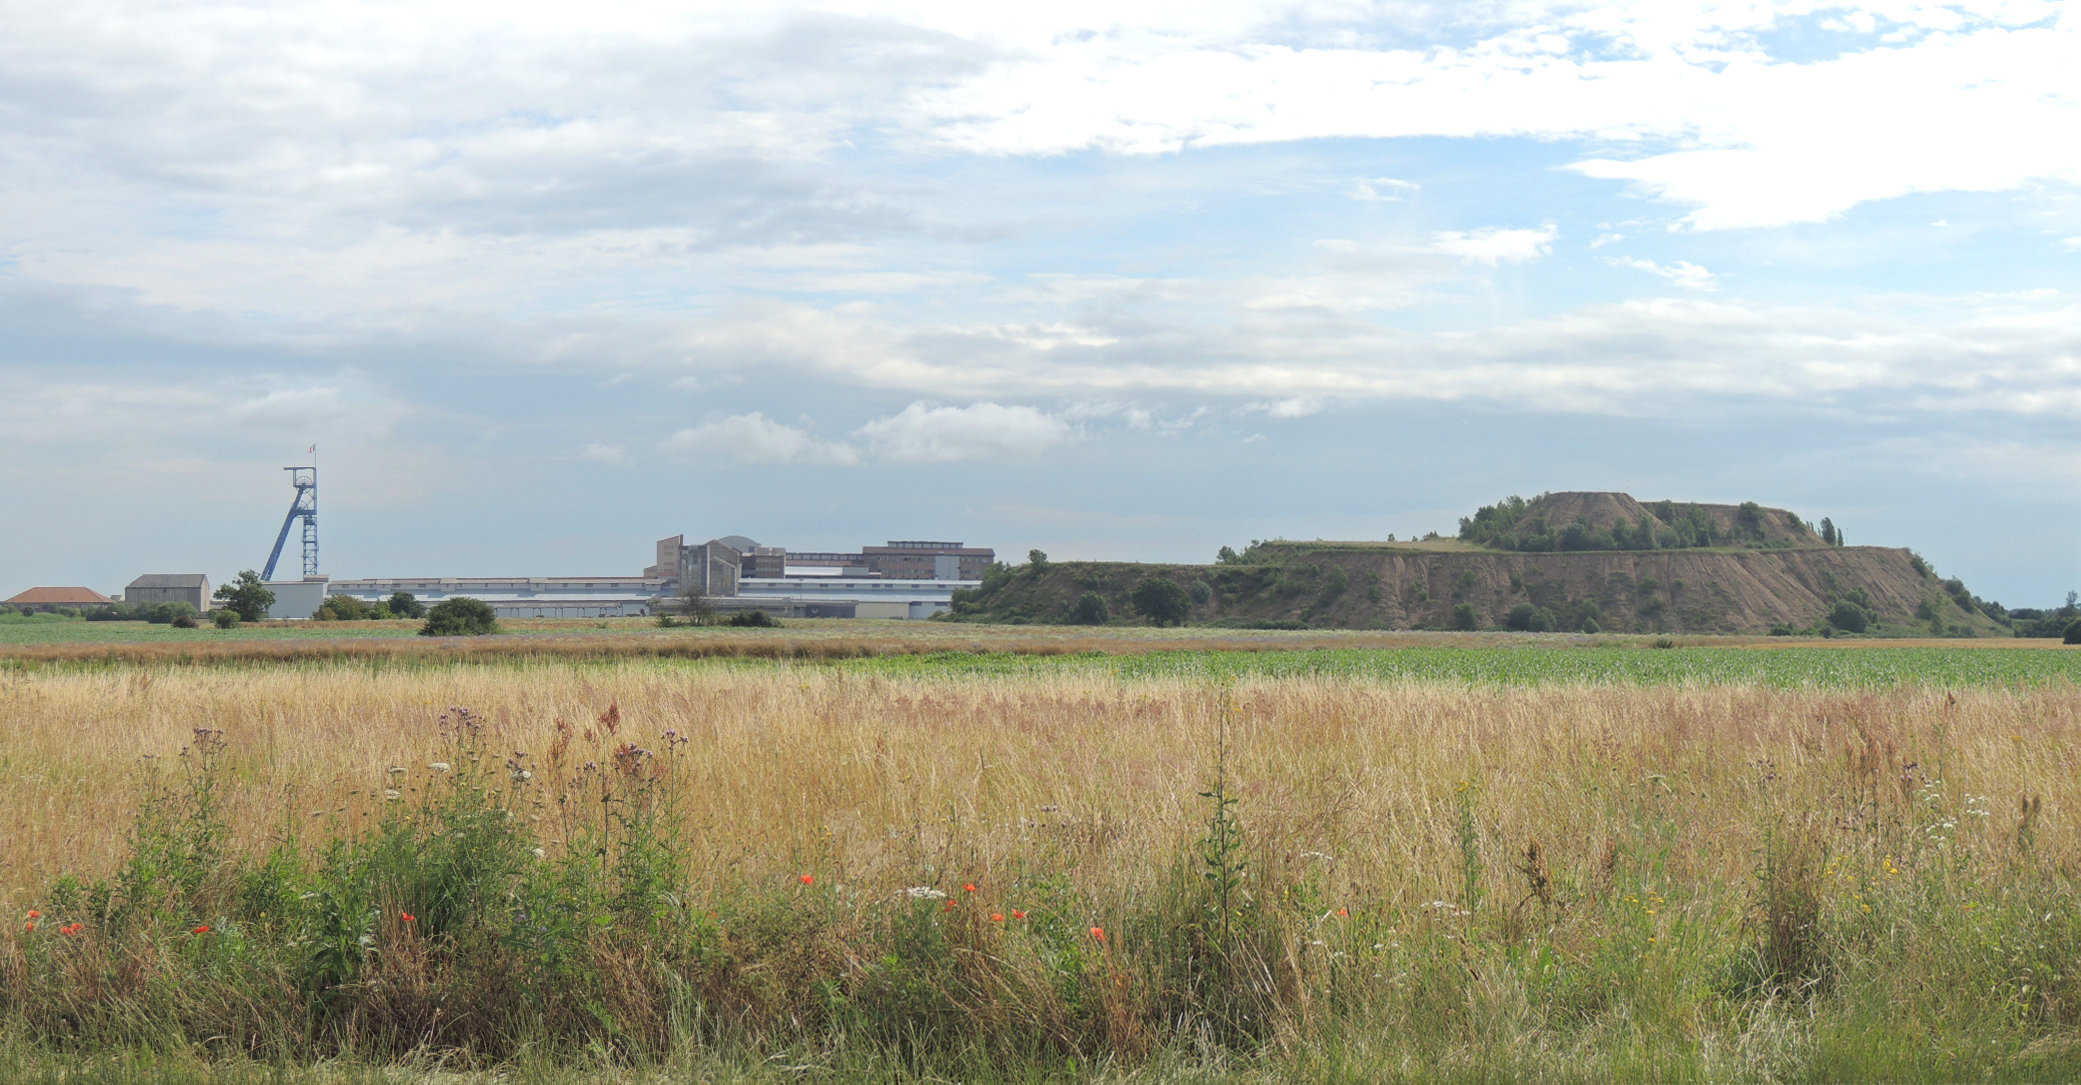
column 1577, row 873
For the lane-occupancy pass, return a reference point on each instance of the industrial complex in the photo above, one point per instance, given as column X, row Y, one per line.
column 732, row 573
column 903, row 579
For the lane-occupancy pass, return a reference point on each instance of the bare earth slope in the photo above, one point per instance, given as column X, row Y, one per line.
column 1383, row 586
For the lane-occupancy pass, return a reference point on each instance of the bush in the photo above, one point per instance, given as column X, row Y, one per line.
column 185, row 621
column 1589, row 625
column 405, row 605
column 342, row 608
column 461, row 616
column 225, row 618
column 1201, row 592
column 1037, row 560
column 1464, row 617
column 753, row 619
column 167, row 613
column 1090, row 610
column 1848, row 617
column 1526, row 618
column 1161, row 601
column 2073, row 633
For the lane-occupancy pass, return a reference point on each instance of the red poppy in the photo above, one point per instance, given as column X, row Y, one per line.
column 1343, row 912
column 204, row 929
column 1098, row 933
column 406, row 916
column 30, row 927
column 809, row 879
column 34, row 914
column 996, row 917
column 949, row 907
column 969, row 888
column 1017, row 914
column 72, row 928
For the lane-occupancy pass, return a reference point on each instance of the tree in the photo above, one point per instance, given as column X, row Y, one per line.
column 2073, row 633
column 1038, row 559
column 247, row 595
column 1226, row 555
column 1161, row 601
column 225, row 617
column 1464, row 617
column 1090, row 610
column 405, row 605
column 461, row 616
column 1848, row 617
column 1827, row 531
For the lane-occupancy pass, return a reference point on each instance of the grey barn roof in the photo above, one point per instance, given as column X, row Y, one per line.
column 170, row 580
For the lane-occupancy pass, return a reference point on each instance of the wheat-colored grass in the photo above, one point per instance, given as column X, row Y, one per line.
column 890, row 781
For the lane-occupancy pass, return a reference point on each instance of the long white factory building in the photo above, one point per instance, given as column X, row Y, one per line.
column 732, row 573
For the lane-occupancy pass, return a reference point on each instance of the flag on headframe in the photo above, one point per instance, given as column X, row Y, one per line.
column 314, row 450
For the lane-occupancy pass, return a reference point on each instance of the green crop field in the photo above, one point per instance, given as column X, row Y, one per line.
column 1828, row 668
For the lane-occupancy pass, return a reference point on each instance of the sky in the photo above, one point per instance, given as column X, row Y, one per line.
column 546, row 282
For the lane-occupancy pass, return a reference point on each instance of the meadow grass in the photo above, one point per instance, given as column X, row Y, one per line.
column 763, row 871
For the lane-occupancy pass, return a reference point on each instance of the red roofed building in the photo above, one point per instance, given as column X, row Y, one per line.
column 46, row 598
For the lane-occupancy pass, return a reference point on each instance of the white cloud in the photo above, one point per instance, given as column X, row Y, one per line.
column 1682, row 272
column 290, row 408
column 1293, row 407
column 1495, row 244
column 1384, row 190
column 926, row 432
column 754, row 438
column 611, row 455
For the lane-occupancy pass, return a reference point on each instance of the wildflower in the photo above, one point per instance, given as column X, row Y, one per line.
column 30, row 927
column 1017, row 914
column 390, row 793
column 809, row 879
column 72, row 928
column 406, row 916
column 969, row 888
column 996, row 917
column 203, row 929
column 34, row 914
column 924, row 892
column 438, row 766
column 1098, row 933
column 949, row 907
column 1343, row 913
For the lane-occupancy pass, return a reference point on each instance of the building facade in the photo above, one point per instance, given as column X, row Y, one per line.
column 190, row 588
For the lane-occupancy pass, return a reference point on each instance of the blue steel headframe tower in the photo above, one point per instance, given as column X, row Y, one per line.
column 304, row 506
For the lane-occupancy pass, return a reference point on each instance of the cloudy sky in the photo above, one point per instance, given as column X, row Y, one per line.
column 546, row 282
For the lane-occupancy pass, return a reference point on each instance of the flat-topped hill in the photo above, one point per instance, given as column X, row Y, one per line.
column 1575, row 561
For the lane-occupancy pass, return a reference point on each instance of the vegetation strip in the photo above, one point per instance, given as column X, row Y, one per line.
column 830, row 874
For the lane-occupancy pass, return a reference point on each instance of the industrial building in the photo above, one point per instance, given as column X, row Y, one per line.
column 731, row 573
column 520, row 596
column 190, row 588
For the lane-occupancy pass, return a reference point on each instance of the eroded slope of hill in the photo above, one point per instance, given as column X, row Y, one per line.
column 1615, row 565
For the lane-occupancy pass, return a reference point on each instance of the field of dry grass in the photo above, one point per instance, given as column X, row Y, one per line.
column 1644, row 882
